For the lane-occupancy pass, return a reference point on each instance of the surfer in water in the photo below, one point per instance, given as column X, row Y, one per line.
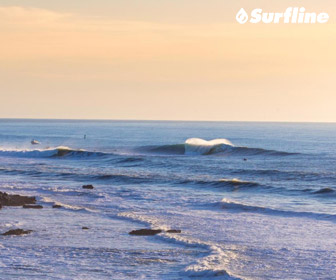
column 34, row 142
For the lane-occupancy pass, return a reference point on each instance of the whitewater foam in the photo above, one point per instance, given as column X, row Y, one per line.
column 213, row 265
column 68, row 206
column 197, row 146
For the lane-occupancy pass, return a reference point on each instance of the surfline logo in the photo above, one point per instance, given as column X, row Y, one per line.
column 291, row 15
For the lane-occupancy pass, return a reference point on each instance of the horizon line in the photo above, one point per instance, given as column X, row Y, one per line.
column 167, row 120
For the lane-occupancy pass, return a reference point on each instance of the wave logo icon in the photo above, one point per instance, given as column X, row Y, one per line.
column 293, row 15
column 242, row 16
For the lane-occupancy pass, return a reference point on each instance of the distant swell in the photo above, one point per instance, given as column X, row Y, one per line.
column 224, row 183
column 80, row 177
column 176, row 149
column 239, row 207
column 245, row 151
column 325, row 191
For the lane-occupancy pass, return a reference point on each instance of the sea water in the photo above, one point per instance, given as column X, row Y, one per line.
column 253, row 200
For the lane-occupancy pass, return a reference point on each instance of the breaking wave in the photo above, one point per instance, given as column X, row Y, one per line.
column 60, row 151
column 197, row 146
column 192, row 146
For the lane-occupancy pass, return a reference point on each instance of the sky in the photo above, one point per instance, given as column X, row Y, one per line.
column 165, row 60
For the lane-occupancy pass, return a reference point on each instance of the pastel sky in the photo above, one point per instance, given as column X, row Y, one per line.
column 165, row 60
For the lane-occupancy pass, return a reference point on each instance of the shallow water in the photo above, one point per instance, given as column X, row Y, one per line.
column 257, row 203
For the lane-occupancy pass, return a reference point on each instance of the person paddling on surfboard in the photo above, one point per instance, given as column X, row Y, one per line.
column 34, row 142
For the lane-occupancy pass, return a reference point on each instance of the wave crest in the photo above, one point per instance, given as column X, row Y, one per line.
column 192, row 146
column 198, row 146
column 61, row 151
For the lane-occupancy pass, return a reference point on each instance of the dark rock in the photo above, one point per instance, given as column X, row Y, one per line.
column 32, row 206
column 17, row 231
column 145, row 232
column 174, row 231
column 89, row 187
column 85, row 228
column 56, row 206
column 15, row 200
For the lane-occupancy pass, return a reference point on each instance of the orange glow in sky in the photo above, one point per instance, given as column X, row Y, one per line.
column 172, row 60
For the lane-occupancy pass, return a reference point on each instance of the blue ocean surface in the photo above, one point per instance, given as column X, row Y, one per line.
column 253, row 200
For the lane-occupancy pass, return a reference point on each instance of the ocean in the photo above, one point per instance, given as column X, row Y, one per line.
column 252, row 200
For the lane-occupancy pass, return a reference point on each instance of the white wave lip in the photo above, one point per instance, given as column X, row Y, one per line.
column 32, row 153
column 198, row 146
column 37, row 153
column 67, row 206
